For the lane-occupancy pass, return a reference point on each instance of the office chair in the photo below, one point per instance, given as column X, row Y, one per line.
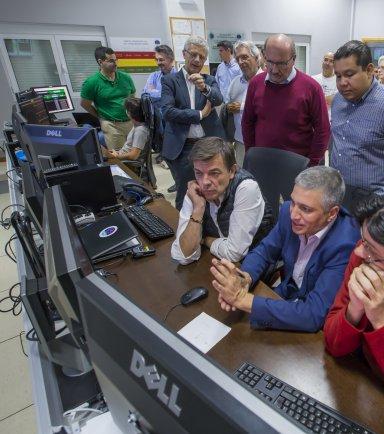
column 143, row 166
column 353, row 195
column 275, row 171
column 228, row 123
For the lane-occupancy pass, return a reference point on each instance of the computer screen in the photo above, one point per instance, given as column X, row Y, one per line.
column 33, row 196
column 150, row 375
column 34, row 111
column 56, row 98
column 55, row 145
column 66, row 262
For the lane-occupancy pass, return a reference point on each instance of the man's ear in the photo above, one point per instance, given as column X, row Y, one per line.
column 333, row 212
column 370, row 69
column 233, row 170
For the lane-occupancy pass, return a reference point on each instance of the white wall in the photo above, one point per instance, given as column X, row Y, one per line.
column 327, row 22
column 369, row 15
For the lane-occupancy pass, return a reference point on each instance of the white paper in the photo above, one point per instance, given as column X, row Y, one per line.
column 204, row 332
column 100, row 425
column 198, row 28
column 118, row 171
column 181, row 26
column 178, row 46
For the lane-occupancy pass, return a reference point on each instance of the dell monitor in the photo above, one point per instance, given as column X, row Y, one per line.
column 66, row 262
column 155, row 382
column 56, row 98
column 52, row 146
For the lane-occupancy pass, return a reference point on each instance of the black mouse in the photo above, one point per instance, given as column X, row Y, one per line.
column 194, row 294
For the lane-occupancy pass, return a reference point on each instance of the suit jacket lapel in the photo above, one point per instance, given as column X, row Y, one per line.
column 183, row 87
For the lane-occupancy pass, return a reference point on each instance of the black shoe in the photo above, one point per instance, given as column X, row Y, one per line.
column 158, row 159
column 172, row 188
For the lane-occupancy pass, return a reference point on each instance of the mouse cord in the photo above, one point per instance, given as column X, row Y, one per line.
column 170, row 310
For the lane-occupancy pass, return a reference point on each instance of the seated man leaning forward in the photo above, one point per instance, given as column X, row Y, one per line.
column 223, row 208
column 356, row 318
column 314, row 237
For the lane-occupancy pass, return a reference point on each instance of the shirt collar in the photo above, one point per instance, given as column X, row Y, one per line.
column 373, row 84
column 318, row 235
column 104, row 77
column 230, row 63
column 290, row 77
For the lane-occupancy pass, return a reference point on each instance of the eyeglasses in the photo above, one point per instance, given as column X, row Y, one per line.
column 110, row 60
column 196, row 55
column 370, row 256
column 279, row 65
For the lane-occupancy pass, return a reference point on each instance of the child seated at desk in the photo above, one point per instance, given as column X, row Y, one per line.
column 138, row 136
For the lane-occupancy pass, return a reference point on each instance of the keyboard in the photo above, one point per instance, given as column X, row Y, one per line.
column 152, row 226
column 306, row 412
column 61, row 168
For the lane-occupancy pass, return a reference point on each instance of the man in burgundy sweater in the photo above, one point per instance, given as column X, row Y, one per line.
column 285, row 108
column 356, row 319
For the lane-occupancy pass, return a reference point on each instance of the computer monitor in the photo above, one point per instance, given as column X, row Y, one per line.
column 150, row 375
column 18, row 124
column 66, row 262
column 34, row 111
column 57, row 145
column 33, row 196
column 56, row 98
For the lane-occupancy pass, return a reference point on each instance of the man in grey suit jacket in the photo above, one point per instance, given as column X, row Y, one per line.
column 187, row 101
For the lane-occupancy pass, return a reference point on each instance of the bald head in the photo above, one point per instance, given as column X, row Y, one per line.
column 279, row 54
column 327, row 65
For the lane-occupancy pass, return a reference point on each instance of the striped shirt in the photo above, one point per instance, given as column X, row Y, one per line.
column 358, row 139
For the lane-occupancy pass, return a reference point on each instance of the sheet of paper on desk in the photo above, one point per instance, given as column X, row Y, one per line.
column 204, row 332
column 116, row 170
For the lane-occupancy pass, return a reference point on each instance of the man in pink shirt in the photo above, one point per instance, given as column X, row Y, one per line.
column 285, row 108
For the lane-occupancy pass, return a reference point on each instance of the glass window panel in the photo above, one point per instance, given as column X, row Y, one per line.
column 80, row 60
column 301, row 57
column 32, row 62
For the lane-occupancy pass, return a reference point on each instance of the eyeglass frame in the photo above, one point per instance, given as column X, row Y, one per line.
column 279, row 65
column 367, row 248
column 195, row 55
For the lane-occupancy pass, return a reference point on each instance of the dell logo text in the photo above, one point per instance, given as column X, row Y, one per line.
column 155, row 381
column 54, row 133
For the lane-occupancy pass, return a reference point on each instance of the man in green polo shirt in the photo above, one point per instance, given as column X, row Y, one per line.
column 103, row 95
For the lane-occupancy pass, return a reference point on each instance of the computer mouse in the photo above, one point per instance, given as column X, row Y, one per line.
column 194, row 294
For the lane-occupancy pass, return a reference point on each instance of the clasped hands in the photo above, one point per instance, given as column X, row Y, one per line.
column 366, row 293
column 232, row 284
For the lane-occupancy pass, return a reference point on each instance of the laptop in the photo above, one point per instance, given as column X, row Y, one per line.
column 82, row 118
column 107, row 234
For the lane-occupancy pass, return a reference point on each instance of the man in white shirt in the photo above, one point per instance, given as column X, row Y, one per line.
column 247, row 56
column 223, row 208
column 327, row 80
column 228, row 69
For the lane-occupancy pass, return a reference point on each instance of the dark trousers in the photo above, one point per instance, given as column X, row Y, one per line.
column 182, row 172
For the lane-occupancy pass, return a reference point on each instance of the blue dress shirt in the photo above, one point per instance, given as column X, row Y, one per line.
column 225, row 73
column 153, row 84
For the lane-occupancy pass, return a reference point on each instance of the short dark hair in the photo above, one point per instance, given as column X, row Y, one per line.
column 226, row 45
column 208, row 147
column 355, row 48
column 134, row 108
column 371, row 211
column 101, row 53
column 164, row 49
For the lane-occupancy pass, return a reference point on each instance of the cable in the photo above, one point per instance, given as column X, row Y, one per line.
column 6, row 173
column 21, row 343
column 32, row 338
column 6, row 224
column 16, row 300
column 8, row 246
column 170, row 310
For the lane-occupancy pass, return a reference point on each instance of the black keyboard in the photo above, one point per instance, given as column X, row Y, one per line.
column 306, row 412
column 152, row 226
column 61, row 168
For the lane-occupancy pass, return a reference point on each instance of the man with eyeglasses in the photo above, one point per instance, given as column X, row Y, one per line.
column 356, row 319
column 285, row 108
column 314, row 237
column 103, row 95
column 187, row 99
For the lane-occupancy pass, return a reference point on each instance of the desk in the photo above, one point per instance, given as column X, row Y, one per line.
column 156, row 284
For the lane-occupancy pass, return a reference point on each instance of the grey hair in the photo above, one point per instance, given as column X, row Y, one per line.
column 196, row 40
column 327, row 179
column 252, row 47
column 381, row 59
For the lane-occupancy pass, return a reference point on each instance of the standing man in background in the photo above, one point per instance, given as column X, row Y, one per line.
column 228, row 68
column 103, row 95
column 187, row 99
column 327, row 80
column 285, row 108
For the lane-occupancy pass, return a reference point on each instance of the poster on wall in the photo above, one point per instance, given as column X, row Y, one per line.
column 215, row 37
column 135, row 55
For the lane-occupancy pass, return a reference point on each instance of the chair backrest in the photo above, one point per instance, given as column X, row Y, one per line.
column 275, row 171
column 153, row 121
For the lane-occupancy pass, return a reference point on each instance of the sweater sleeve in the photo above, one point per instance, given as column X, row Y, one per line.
column 341, row 337
column 321, row 127
column 373, row 348
column 249, row 118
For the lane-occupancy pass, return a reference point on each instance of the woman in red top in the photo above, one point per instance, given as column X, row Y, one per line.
column 356, row 318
